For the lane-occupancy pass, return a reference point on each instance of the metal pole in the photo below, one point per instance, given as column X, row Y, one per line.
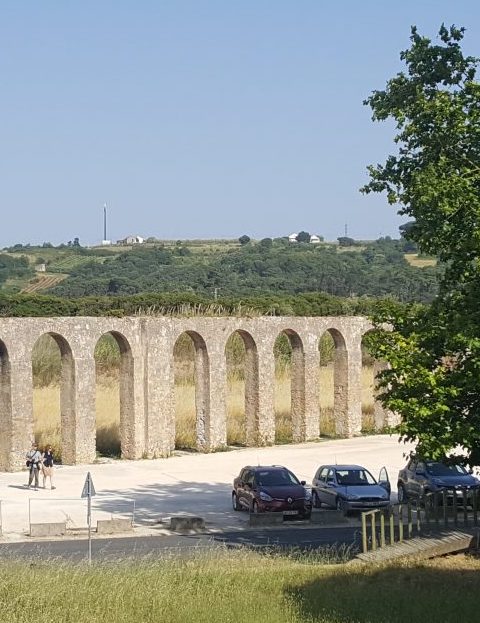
column 89, row 521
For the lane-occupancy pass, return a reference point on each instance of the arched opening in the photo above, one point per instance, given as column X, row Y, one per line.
column 53, row 402
column 242, row 389
column 192, row 392
column 326, row 348
column 289, row 398
column 5, row 408
column 333, row 375
column 114, row 398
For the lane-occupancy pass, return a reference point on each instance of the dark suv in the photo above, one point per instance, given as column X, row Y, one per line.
column 420, row 477
column 272, row 488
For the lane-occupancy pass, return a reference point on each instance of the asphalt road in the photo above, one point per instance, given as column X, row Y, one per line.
column 114, row 549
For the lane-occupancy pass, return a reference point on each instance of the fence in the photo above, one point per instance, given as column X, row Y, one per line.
column 437, row 510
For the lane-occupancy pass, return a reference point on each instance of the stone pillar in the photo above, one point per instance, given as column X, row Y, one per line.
column 5, row 409
column 297, row 390
column 202, row 394
column 160, row 397
column 347, row 389
column 251, row 394
column 384, row 418
column 77, row 406
column 266, row 388
column 20, row 423
column 132, row 413
column 217, row 434
column 312, row 383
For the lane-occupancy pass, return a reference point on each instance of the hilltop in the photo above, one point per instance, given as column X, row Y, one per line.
column 226, row 268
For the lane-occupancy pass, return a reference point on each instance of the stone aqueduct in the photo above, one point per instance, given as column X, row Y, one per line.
column 147, row 411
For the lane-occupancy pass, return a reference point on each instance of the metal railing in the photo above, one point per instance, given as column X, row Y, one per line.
column 445, row 509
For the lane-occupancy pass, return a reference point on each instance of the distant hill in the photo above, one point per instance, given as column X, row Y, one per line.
column 224, row 268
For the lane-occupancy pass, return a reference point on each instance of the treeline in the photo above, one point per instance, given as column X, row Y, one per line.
column 14, row 267
column 180, row 304
column 268, row 267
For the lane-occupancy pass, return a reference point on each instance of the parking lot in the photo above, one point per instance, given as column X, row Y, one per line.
column 190, row 483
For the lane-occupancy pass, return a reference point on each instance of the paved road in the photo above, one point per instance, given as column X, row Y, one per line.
column 106, row 550
column 188, row 483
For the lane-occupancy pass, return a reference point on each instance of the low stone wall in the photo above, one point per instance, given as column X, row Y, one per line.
column 48, row 529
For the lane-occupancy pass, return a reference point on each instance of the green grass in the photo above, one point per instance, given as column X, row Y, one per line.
column 236, row 587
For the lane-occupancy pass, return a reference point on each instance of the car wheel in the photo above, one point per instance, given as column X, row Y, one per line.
column 341, row 506
column 402, row 494
column 255, row 508
column 235, row 503
column 316, row 500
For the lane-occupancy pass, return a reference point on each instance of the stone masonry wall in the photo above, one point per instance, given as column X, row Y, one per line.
column 147, row 412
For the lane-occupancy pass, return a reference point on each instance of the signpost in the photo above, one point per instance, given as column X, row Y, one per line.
column 88, row 492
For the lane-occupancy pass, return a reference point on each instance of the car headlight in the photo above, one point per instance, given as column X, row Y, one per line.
column 308, row 495
column 265, row 497
column 352, row 496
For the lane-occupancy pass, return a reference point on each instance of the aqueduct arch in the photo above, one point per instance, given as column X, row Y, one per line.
column 147, row 380
column 251, row 386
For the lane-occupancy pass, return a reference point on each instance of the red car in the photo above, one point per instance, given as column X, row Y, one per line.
column 260, row 489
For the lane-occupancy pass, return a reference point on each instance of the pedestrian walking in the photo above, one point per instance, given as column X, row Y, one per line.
column 34, row 458
column 47, row 466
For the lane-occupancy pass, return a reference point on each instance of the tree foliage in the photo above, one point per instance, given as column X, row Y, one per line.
column 264, row 267
column 435, row 179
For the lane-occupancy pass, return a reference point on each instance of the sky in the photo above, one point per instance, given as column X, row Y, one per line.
column 200, row 118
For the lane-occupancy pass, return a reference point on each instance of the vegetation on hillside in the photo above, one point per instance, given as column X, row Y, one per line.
column 379, row 269
column 265, row 267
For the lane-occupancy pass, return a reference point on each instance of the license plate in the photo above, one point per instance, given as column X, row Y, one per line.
column 290, row 512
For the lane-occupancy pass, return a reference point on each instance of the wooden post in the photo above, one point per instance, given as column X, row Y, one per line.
column 382, row 529
column 455, row 508
column 400, row 523
column 475, row 507
column 364, row 533
column 374, row 532
column 392, row 527
column 445, row 509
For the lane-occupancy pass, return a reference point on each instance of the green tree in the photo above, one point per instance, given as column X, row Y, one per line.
column 303, row 236
column 244, row 239
column 434, row 352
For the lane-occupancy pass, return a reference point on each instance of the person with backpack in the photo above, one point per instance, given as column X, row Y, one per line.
column 34, row 459
column 47, row 466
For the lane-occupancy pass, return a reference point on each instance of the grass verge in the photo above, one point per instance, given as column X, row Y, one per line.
column 237, row 587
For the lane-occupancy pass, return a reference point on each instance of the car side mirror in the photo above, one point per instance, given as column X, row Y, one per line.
column 303, row 482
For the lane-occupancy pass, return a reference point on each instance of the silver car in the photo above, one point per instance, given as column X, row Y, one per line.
column 350, row 487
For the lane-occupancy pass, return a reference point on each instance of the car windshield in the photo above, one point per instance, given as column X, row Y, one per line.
column 355, row 477
column 440, row 469
column 276, row 478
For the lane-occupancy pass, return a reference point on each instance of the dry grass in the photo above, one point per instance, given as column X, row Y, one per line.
column 420, row 262
column 46, row 408
column 203, row 586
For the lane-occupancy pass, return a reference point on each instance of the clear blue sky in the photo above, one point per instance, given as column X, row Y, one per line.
column 200, row 118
